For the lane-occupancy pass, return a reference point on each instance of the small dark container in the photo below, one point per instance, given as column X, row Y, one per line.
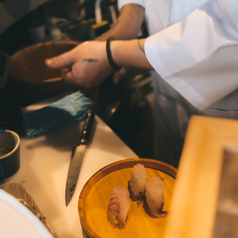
column 10, row 160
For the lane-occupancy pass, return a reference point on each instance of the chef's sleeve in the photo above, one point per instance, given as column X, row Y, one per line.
column 199, row 55
column 121, row 3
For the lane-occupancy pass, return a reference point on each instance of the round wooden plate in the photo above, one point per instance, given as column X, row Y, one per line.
column 95, row 196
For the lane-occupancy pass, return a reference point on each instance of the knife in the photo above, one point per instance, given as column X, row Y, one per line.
column 77, row 158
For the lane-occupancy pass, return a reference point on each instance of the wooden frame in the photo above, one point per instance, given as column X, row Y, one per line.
column 193, row 206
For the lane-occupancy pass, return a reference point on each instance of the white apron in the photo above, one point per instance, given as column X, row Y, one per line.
column 193, row 47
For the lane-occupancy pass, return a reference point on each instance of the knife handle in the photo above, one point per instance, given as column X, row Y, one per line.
column 87, row 128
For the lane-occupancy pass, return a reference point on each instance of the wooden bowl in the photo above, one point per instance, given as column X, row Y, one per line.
column 32, row 78
column 95, row 195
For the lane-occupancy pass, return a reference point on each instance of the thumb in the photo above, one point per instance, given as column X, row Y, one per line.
column 60, row 60
column 118, row 76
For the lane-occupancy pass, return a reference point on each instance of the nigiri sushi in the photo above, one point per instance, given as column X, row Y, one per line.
column 119, row 206
column 138, row 179
column 155, row 196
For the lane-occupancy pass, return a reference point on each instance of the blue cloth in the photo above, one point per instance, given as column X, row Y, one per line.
column 70, row 109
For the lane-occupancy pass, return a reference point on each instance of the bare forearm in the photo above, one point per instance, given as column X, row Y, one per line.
column 128, row 24
column 130, row 53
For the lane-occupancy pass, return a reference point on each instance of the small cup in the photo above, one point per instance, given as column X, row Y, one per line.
column 9, row 154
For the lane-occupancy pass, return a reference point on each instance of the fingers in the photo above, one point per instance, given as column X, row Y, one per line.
column 117, row 77
column 60, row 61
column 69, row 76
column 67, row 73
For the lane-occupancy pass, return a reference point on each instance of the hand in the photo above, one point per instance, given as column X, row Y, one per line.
column 85, row 65
column 118, row 76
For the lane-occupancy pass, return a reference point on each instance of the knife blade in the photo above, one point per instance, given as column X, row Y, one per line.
column 77, row 158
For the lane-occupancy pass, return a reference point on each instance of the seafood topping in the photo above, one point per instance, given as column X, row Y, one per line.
column 138, row 179
column 119, row 206
column 155, row 196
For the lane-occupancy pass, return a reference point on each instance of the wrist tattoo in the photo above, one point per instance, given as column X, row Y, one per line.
column 90, row 60
column 140, row 46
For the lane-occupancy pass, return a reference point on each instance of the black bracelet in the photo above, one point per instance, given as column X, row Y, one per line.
column 109, row 55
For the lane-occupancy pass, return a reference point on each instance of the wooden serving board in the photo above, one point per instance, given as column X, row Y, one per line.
column 208, row 144
column 95, row 196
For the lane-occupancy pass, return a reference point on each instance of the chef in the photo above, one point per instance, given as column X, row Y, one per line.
column 192, row 52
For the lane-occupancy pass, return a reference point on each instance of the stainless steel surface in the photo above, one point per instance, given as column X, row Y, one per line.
column 77, row 158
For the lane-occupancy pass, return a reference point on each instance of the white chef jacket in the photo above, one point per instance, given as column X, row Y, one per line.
column 193, row 47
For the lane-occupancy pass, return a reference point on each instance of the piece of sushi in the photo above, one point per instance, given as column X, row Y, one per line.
column 119, row 206
column 138, row 180
column 155, row 196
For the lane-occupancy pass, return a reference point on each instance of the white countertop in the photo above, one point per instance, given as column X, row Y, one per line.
column 44, row 168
